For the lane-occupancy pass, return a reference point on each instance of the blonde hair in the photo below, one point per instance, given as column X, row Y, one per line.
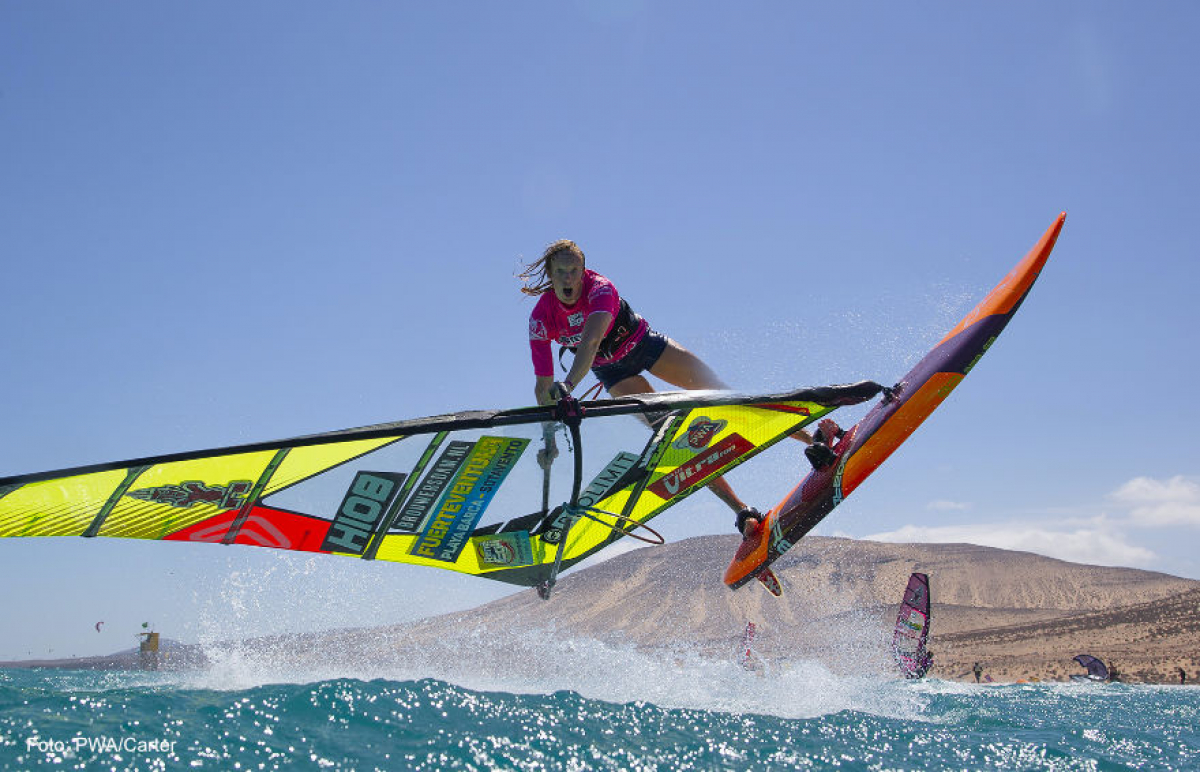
column 536, row 275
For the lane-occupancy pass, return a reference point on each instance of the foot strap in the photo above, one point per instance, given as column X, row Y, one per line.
column 820, row 455
column 745, row 515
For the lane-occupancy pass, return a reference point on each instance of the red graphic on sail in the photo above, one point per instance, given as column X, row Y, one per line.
column 263, row 527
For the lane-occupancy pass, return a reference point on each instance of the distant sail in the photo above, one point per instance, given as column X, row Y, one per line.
column 912, row 629
column 747, row 656
column 1096, row 670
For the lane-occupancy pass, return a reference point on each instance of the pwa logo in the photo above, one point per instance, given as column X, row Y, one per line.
column 192, row 492
column 506, row 549
column 497, row 553
column 699, row 434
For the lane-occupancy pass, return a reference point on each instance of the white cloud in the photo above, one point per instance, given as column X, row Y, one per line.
column 1151, row 502
column 1095, row 542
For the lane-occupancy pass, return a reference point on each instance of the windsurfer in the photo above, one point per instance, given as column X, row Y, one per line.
column 582, row 311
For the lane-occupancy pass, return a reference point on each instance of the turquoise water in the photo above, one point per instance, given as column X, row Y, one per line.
column 634, row 711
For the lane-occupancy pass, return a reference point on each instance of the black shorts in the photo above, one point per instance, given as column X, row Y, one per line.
column 641, row 358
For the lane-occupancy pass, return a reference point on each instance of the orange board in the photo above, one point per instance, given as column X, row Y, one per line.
column 901, row 410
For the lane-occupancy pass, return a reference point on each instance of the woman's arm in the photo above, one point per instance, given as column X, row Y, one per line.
column 549, row 449
column 541, row 389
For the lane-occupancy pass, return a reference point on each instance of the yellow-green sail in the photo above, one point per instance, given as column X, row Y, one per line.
column 460, row 492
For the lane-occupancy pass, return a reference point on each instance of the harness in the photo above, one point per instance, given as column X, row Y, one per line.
column 625, row 324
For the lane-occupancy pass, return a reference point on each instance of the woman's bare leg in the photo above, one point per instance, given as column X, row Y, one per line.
column 634, row 384
column 637, row 384
column 680, row 367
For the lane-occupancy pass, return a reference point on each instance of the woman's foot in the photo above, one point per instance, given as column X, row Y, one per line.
column 820, row 454
column 749, row 520
column 828, row 431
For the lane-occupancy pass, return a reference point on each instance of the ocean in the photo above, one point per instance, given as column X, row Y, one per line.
column 582, row 705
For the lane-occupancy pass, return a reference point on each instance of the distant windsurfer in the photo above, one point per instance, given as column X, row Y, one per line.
column 925, row 665
column 582, row 311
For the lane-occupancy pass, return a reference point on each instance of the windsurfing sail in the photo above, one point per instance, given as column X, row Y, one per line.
column 748, row 658
column 911, row 636
column 462, row 492
column 1096, row 670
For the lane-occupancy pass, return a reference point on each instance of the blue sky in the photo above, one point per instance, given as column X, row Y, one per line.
column 231, row 222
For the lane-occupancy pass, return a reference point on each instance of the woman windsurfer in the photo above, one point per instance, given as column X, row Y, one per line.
column 582, row 311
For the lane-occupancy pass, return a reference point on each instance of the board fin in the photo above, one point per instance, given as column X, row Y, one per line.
column 771, row 582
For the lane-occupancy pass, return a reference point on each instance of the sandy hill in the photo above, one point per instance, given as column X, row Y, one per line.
column 1020, row 615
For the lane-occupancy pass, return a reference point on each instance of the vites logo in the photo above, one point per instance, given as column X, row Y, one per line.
column 703, row 466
